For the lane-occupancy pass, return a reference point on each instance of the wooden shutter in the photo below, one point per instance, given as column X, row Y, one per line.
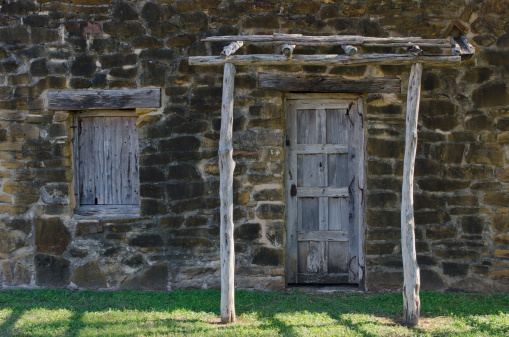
column 107, row 166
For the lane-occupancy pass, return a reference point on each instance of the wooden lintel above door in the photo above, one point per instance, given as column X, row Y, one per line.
column 329, row 84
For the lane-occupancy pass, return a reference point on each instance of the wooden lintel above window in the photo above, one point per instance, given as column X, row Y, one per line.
column 104, row 99
column 329, row 84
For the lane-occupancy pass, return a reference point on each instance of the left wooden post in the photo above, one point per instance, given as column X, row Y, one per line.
column 226, row 167
column 411, row 282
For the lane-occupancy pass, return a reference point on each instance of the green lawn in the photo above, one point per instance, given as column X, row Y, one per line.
column 289, row 313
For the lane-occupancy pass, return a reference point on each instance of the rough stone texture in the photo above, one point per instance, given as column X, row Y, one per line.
column 152, row 278
column 52, row 271
column 462, row 170
column 51, row 236
column 89, row 276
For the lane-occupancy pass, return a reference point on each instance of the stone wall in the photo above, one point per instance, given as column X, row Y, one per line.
column 461, row 201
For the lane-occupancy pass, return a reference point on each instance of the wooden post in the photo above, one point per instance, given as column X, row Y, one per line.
column 411, row 283
column 226, row 167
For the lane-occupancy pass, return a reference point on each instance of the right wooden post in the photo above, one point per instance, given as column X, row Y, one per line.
column 411, row 283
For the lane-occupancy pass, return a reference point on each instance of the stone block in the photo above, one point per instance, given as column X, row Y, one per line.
column 41, row 35
column 248, row 232
column 10, row 242
column 87, row 228
column 473, row 285
column 500, row 222
column 443, row 123
column 83, row 65
column 383, row 280
column 196, row 203
column 56, row 193
column 386, row 148
column 124, row 11
column 261, row 22
column 491, row 95
column 195, row 221
column 383, row 218
column 459, row 253
column 190, row 243
column 185, row 190
column 382, row 200
column 14, row 35
column 266, row 256
column 123, row 28
column 12, row 187
column 379, row 248
column 171, row 221
column 271, row 211
column 431, row 280
column 151, row 174
column 433, row 184
column 146, row 240
column 151, row 278
column 90, row 276
column 182, row 143
column 437, row 107
column 23, row 130
column 51, row 236
column 472, row 224
column 51, row 271
column 502, row 253
column 490, row 154
column 24, row 225
column 497, row 198
column 455, row 269
column 500, row 240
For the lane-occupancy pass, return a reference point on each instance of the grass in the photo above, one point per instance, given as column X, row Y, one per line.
column 289, row 313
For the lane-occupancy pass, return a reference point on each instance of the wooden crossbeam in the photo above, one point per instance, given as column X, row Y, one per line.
column 331, row 40
column 326, row 60
column 328, row 84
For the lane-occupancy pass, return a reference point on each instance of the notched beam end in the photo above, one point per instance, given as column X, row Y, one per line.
column 349, row 50
column 461, row 47
column 231, row 48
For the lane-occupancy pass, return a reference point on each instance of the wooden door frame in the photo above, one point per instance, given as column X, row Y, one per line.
column 362, row 174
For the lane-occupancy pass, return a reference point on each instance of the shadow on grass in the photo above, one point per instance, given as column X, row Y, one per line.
column 7, row 327
column 350, row 312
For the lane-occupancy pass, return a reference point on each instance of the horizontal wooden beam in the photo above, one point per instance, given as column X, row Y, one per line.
column 316, row 192
column 328, row 84
column 321, row 148
column 322, row 236
column 326, row 60
column 333, row 278
column 104, row 99
column 327, row 40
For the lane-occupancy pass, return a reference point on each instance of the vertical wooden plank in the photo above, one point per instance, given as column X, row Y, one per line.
column 309, row 221
column 125, row 194
column 98, row 152
column 134, row 167
column 87, row 160
column 353, row 197
column 291, row 200
column 226, row 167
column 323, row 216
column 361, row 174
column 108, row 160
column 117, row 161
column 76, row 163
column 411, row 283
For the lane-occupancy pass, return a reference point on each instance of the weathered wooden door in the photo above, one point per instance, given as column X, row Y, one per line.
column 324, row 181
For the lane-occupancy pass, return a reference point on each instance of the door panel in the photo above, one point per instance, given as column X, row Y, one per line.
column 324, row 139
